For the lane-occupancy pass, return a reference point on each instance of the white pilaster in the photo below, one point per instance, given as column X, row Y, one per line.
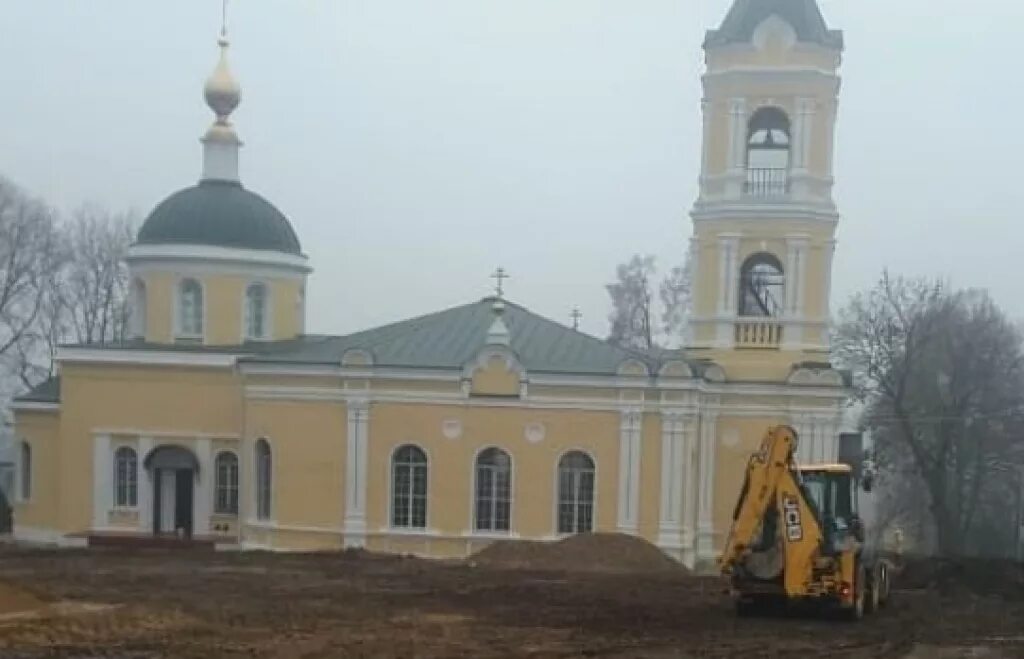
column 673, row 476
column 728, row 284
column 357, row 445
column 737, row 133
column 102, row 480
column 145, row 445
column 705, row 110
column 706, row 497
column 805, row 112
column 693, row 267
column 629, row 470
column 202, row 504
column 690, row 486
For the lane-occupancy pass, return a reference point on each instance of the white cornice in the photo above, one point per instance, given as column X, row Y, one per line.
column 29, row 406
column 144, row 357
column 141, row 255
column 707, row 210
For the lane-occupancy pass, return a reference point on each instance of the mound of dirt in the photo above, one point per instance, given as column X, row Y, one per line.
column 15, row 600
column 590, row 552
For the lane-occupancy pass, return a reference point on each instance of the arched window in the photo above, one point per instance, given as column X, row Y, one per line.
column 493, row 491
column 25, row 472
column 264, row 476
column 226, row 483
column 575, row 493
column 768, row 144
column 190, row 309
column 256, row 311
column 138, row 309
column 126, row 490
column 409, row 488
column 762, row 287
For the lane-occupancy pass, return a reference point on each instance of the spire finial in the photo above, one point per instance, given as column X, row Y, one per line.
column 576, row 315
column 500, row 275
column 223, row 95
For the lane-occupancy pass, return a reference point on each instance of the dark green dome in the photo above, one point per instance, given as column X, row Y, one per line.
column 220, row 214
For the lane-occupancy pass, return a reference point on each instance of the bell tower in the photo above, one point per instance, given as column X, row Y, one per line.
column 765, row 220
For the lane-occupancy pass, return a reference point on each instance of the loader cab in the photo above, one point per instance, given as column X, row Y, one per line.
column 832, row 491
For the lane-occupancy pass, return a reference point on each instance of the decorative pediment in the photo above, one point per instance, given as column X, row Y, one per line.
column 816, row 376
column 496, row 371
column 633, row 368
column 357, row 357
column 675, row 369
column 714, row 373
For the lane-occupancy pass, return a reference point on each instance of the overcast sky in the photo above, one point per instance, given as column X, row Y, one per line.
column 417, row 144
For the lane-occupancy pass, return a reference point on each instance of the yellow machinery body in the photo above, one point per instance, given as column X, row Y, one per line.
column 796, row 536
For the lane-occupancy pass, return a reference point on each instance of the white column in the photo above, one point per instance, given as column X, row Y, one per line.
column 728, row 283
column 805, row 108
column 705, row 109
column 796, row 280
column 737, row 133
column 629, row 470
column 690, row 485
column 673, row 474
column 102, row 481
column 706, row 496
column 357, row 445
column 202, row 504
column 693, row 266
column 145, row 445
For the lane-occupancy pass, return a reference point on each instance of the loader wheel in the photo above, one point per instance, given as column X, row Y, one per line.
column 856, row 612
column 873, row 599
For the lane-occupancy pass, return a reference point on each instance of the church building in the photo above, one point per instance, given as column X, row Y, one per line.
column 223, row 421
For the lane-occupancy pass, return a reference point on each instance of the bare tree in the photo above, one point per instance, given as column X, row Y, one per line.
column 943, row 374
column 675, row 303
column 631, row 295
column 31, row 256
column 94, row 283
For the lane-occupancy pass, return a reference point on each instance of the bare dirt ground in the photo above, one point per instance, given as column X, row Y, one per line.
column 159, row 603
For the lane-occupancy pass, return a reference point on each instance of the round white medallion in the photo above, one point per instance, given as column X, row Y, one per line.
column 451, row 428
column 534, row 432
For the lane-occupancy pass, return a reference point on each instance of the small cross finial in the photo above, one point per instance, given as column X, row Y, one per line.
column 500, row 275
column 224, row 18
column 576, row 315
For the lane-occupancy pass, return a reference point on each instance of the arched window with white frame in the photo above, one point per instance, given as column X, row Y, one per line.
column 762, row 287
column 493, row 500
column 126, row 489
column 25, row 471
column 226, row 483
column 576, row 493
column 264, row 479
column 190, row 309
column 768, row 153
column 409, row 488
column 256, row 309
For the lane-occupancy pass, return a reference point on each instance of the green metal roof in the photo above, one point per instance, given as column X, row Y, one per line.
column 745, row 15
column 221, row 214
column 449, row 339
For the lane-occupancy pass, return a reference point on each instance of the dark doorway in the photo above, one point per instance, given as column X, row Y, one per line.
column 172, row 501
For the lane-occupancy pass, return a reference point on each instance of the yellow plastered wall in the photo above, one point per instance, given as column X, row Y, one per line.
column 308, row 440
column 41, row 431
column 452, row 461
column 223, row 303
column 162, row 401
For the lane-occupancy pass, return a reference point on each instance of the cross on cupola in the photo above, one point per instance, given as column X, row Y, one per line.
column 576, row 315
column 500, row 275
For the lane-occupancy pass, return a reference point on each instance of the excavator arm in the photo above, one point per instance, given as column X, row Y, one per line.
column 772, row 481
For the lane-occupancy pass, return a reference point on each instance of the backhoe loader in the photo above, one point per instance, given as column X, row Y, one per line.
column 796, row 537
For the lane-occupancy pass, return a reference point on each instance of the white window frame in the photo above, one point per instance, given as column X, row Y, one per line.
column 218, row 483
column 259, row 513
column 474, row 495
column 179, row 330
column 131, row 485
column 558, row 495
column 267, row 311
column 391, row 493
